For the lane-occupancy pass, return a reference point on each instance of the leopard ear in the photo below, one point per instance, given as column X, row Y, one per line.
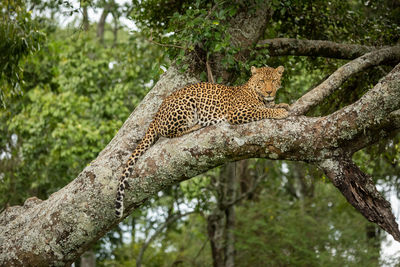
column 253, row 70
column 280, row 69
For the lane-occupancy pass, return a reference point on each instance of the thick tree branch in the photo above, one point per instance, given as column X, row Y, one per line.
column 319, row 48
column 394, row 119
column 316, row 95
column 361, row 192
column 369, row 113
column 388, row 128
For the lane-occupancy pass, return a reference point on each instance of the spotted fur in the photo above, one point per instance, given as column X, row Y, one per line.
column 202, row 104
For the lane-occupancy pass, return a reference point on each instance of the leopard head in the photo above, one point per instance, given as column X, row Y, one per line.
column 266, row 81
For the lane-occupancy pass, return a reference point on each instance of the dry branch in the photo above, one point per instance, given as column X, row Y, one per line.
column 360, row 191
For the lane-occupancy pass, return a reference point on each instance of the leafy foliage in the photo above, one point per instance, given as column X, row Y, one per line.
column 79, row 95
column 277, row 230
column 367, row 22
column 19, row 36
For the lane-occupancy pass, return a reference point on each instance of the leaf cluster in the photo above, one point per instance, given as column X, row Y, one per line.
column 19, row 37
column 198, row 27
column 366, row 22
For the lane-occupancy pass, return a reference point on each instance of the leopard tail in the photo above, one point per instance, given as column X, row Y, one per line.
column 148, row 140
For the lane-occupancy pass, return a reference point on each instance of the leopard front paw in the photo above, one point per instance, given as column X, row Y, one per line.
column 283, row 105
column 281, row 113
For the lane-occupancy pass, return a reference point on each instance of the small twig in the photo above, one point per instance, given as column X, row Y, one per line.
column 209, row 72
column 248, row 192
column 164, row 45
column 201, row 249
column 212, row 9
column 169, row 221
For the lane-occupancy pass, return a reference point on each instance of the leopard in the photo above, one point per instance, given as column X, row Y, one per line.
column 203, row 104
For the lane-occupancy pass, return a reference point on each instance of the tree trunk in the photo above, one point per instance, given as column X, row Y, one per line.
column 88, row 259
column 221, row 221
column 102, row 23
column 232, row 182
column 85, row 19
column 115, row 30
column 215, row 229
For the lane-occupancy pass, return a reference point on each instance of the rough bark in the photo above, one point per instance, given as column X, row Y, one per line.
column 58, row 230
column 359, row 190
column 245, row 30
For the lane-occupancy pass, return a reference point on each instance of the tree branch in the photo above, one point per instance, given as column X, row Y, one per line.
column 369, row 113
column 360, row 192
column 319, row 48
column 316, row 95
column 389, row 127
